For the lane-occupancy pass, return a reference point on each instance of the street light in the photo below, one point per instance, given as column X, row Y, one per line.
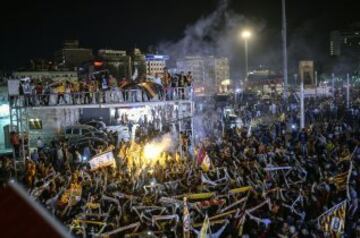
column 246, row 34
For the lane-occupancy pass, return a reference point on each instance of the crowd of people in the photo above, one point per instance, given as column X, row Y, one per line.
column 103, row 89
column 265, row 179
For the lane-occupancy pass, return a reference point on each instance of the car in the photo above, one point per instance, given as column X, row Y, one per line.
column 99, row 134
column 100, row 125
column 79, row 131
column 122, row 130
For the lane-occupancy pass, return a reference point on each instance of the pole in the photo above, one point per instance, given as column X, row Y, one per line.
column 295, row 79
column 192, row 128
column 348, row 91
column 246, row 59
column 333, row 84
column 316, row 83
column 285, row 63
column 302, row 118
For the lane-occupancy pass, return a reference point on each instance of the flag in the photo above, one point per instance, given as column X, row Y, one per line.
column 205, row 164
column 340, row 181
column 248, row 134
column 282, row 117
column 204, row 228
column 332, row 222
column 149, row 88
column 186, row 219
column 241, row 225
column 208, row 181
column 200, row 156
column 195, row 196
column 241, row 189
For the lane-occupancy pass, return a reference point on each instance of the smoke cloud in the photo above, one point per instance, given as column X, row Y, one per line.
column 215, row 34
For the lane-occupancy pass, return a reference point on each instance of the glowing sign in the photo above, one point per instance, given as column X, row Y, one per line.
column 4, row 110
column 151, row 57
column 98, row 63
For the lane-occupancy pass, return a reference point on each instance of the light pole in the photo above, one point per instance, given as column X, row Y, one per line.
column 285, row 62
column 246, row 34
column 316, row 83
column 302, row 111
column 348, row 91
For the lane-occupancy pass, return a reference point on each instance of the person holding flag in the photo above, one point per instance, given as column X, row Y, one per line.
column 203, row 160
column 206, row 164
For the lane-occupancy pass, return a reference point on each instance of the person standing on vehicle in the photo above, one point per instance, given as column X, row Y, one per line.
column 87, row 90
column 181, row 85
column 27, row 92
column 188, row 83
column 61, row 93
column 39, row 93
column 46, row 93
column 104, row 88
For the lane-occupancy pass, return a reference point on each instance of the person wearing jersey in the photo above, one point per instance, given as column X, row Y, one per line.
column 39, row 93
column 26, row 87
column 61, row 93
column 188, row 83
column 75, row 89
column 104, row 87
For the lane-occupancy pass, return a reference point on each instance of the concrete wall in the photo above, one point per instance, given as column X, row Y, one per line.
column 88, row 114
column 53, row 122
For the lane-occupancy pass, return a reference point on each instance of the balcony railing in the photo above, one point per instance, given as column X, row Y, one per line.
column 113, row 96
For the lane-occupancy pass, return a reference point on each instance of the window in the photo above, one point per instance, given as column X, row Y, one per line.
column 35, row 124
column 68, row 131
column 76, row 131
column 85, row 131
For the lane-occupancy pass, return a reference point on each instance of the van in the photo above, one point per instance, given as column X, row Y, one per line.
column 81, row 131
column 123, row 132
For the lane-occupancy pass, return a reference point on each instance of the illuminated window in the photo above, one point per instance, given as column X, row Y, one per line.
column 35, row 124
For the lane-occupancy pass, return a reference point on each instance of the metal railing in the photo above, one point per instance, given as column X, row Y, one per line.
column 112, row 96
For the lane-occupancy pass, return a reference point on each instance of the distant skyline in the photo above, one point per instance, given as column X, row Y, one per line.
column 35, row 29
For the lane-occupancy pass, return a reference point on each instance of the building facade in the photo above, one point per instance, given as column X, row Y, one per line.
column 208, row 72
column 71, row 55
column 155, row 64
column 117, row 62
column 138, row 62
column 49, row 75
column 344, row 42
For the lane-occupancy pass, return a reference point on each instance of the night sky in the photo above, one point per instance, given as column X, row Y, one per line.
column 35, row 29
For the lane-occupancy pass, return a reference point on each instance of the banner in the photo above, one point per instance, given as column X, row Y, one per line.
column 332, row 222
column 102, row 160
column 13, row 87
column 241, row 189
column 195, row 196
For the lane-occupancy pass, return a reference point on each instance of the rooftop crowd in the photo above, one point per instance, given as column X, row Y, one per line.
column 266, row 179
column 103, row 88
